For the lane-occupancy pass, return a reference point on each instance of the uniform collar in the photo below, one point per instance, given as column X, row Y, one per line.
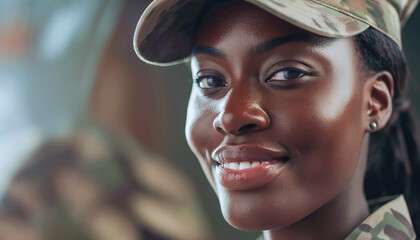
column 391, row 221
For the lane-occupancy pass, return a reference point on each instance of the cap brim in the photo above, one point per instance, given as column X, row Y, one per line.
column 165, row 32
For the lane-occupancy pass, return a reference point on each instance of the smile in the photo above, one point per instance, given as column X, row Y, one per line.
column 244, row 165
column 248, row 166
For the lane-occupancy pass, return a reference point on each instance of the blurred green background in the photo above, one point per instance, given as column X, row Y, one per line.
column 67, row 63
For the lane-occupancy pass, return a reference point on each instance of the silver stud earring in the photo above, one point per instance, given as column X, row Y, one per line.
column 373, row 125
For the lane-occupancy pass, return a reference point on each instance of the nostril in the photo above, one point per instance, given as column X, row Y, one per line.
column 220, row 130
column 237, row 121
column 247, row 127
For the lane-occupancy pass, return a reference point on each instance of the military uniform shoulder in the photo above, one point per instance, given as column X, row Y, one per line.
column 391, row 221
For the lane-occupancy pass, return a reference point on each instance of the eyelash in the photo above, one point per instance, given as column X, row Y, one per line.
column 300, row 73
column 198, row 81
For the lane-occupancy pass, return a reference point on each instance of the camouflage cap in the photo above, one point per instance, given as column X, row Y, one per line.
column 165, row 32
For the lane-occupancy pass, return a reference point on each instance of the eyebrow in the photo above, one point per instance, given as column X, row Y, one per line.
column 208, row 50
column 267, row 45
column 273, row 43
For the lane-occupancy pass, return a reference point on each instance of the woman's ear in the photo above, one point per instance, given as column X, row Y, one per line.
column 380, row 91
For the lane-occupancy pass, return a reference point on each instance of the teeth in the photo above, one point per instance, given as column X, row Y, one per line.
column 254, row 164
column 233, row 165
column 243, row 165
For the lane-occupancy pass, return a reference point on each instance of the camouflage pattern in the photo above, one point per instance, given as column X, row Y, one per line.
column 92, row 185
column 390, row 222
column 164, row 33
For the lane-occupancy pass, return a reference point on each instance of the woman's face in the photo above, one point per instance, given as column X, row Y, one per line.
column 275, row 116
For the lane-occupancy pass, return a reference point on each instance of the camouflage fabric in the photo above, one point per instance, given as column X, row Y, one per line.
column 94, row 186
column 389, row 222
column 164, row 34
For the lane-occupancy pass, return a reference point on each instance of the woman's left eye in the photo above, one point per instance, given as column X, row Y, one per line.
column 287, row 74
column 210, row 82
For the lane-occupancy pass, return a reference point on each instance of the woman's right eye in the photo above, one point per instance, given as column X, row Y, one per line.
column 210, row 82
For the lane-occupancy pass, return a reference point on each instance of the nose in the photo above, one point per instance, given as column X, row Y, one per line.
column 241, row 114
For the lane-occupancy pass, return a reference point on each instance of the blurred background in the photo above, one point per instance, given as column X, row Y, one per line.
column 92, row 139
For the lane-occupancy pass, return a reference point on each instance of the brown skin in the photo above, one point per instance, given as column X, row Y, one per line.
column 320, row 113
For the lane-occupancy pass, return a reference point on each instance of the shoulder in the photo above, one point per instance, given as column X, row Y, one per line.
column 390, row 221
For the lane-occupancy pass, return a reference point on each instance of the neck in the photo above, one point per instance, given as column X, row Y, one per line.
column 338, row 217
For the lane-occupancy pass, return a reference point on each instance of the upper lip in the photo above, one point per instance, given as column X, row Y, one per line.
column 248, row 152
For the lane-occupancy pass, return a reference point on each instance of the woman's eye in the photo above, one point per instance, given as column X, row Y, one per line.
column 210, row 82
column 286, row 74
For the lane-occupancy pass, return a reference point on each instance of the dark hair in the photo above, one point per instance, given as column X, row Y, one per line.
column 393, row 161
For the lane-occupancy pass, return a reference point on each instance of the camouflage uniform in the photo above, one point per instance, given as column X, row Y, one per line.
column 390, row 222
column 94, row 186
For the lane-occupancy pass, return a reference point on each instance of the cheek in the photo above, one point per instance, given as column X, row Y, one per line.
column 325, row 134
column 328, row 149
column 199, row 131
column 199, row 119
column 334, row 131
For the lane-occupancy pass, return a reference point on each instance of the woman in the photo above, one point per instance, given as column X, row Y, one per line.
column 293, row 104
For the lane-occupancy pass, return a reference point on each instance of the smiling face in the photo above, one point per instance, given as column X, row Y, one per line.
column 275, row 116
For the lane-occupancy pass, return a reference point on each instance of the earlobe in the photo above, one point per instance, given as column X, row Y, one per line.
column 373, row 125
column 380, row 93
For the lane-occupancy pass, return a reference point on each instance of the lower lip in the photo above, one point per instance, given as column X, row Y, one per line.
column 250, row 178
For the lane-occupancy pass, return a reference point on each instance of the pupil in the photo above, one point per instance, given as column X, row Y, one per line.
column 212, row 82
column 292, row 74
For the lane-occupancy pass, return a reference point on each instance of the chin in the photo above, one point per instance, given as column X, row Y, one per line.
column 245, row 211
column 250, row 221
